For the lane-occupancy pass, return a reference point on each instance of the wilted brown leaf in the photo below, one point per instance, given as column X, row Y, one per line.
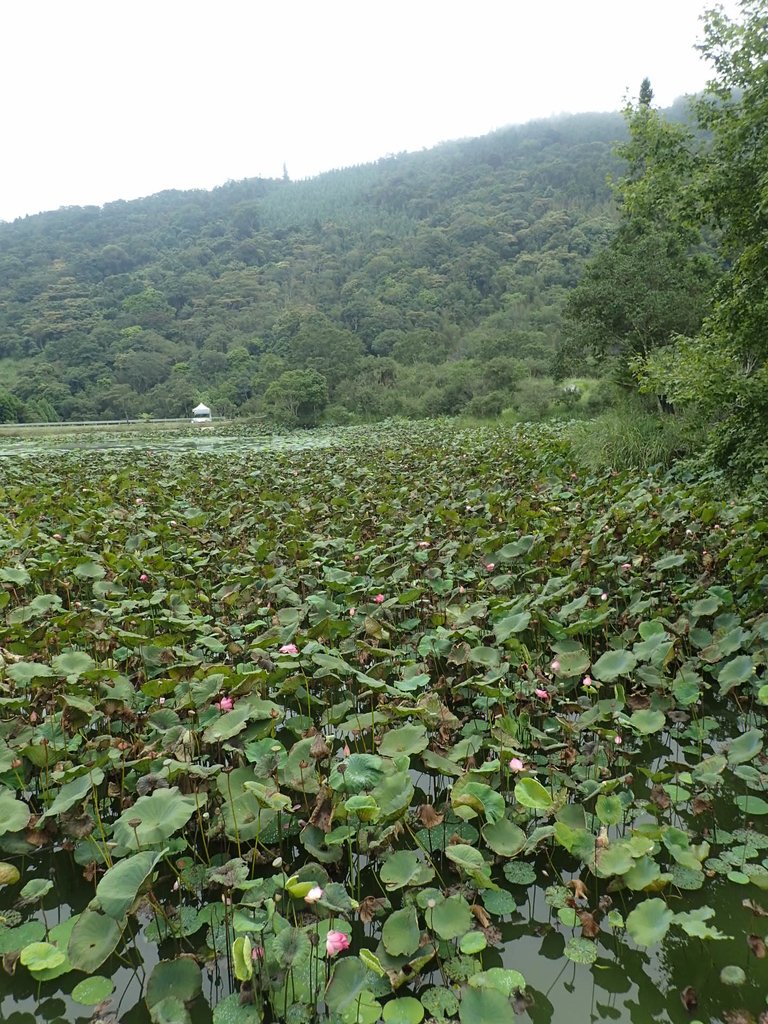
column 755, row 907
column 660, row 797
column 589, row 926
column 689, row 998
column 322, row 812
column 578, row 888
column 639, row 701
column 738, row 1017
column 481, row 915
column 757, row 945
column 701, row 806
column 370, row 907
column 429, row 817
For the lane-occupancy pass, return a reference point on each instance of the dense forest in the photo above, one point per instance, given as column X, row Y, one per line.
column 427, row 283
column 626, row 251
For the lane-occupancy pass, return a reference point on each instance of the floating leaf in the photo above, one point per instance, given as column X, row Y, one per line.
column 649, row 922
column 92, row 991
column 581, row 951
column 400, row 934
column 613, row 664
column 450, row 918
column 405, row 1010
column 530, row 793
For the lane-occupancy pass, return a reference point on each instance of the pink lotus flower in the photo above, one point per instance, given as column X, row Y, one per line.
column 225, row 704
column 423, row 543
column 379, row 599
column 626, row 565
column 617, row 740
column 586, row 681
column 490, row 566
column 336, row 942
column 555, row 666
column 516, row 765
column 57, row 536
column 289, row 649
column 542, row 694
column 314, row 895
column 603, row 596
column 257, row 953
column 143, row 578
column 352, row 612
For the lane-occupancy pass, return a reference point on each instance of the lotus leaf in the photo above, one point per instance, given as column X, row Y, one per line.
column 485, row 1005
column 400, row 934
column 404, row 868
column 404, row 1010
column 450, row 918
column 649, row 922
column 613, row 664
column 14, row 814
column 92, row 991
column 156, row 818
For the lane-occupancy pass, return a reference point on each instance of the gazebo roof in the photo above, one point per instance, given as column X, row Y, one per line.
column 201, row 410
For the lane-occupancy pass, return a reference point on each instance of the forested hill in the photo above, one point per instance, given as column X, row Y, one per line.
column 425, row 283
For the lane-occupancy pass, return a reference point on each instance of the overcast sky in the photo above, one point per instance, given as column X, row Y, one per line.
column 114, row 99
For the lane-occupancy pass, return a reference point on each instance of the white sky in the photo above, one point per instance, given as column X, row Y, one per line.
column 114, row 99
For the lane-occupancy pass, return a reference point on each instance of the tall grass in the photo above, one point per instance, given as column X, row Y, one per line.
column 631, row 436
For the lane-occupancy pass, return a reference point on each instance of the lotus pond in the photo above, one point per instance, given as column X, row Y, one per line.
column 405, row 723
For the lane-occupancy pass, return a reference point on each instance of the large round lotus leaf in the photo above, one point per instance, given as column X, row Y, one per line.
column 752, row 805
column 9, row 874
column 365, row 1010
column 409, row 739
column 745, row 747
column 119, row 887
column 609, row 809
column 404, row 868
column 473, row 942
column 649, row 922
column 738, row 670
column 74, row 792
column 733, row 975
column 468, row 859
column 500, row 979
column 581, row 951
column 400, row 934
column 359, row 772
column 504, row 837
column 347, row 982
column 449, row 918
column 615, row 859
column 72, row 663
column 227, row 725
column 479, row 797
column 42, row 956
column 170, row 1010
column 14, row 815
column 291, row 946
column 519, row 872
column 485, row 1006
column 510, row 625
column 439, row 1002
column 232, row 1011
column 155, row 818
column 394, row 794
column 174, row 978
column 93, row 938
column 499, row 901
column 23, row 672
column 571, row 662
column 613, row 664
column 405, row 1010
column 530, row 793
column 646, row 722
column 93, row 990
column 13, row 940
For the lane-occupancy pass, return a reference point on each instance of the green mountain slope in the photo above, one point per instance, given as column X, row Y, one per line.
column 425, row 283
